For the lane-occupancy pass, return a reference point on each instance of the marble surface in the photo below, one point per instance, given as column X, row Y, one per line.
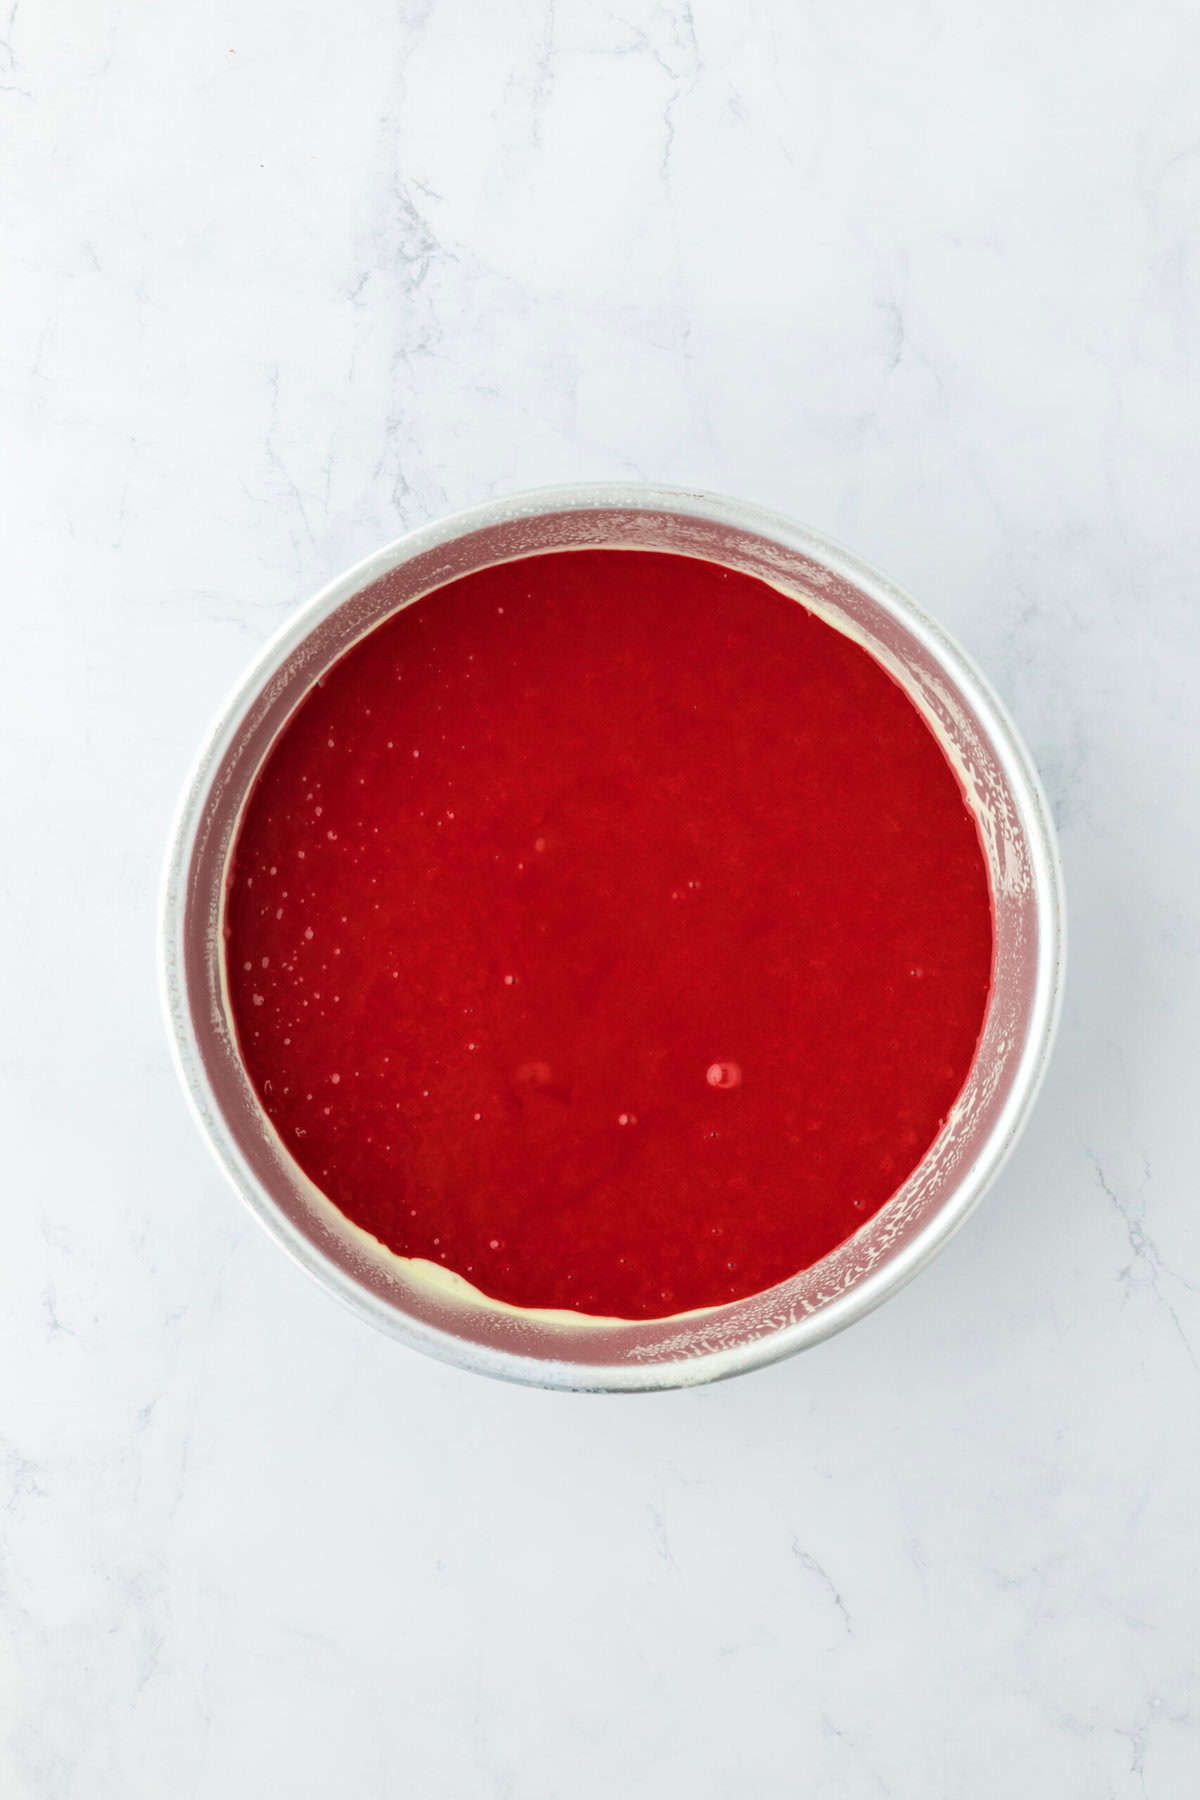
column 281, row 281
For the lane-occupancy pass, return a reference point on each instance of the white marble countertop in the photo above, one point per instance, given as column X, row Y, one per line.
column 279, row 282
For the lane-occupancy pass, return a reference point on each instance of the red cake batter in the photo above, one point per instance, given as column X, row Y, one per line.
column 611, row 930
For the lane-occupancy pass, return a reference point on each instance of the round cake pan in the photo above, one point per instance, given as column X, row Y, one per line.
column 1002, row 788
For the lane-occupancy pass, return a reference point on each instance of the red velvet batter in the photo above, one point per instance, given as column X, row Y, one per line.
column 610, row 929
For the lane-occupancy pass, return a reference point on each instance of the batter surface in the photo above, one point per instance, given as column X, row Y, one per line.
column 609, row 929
